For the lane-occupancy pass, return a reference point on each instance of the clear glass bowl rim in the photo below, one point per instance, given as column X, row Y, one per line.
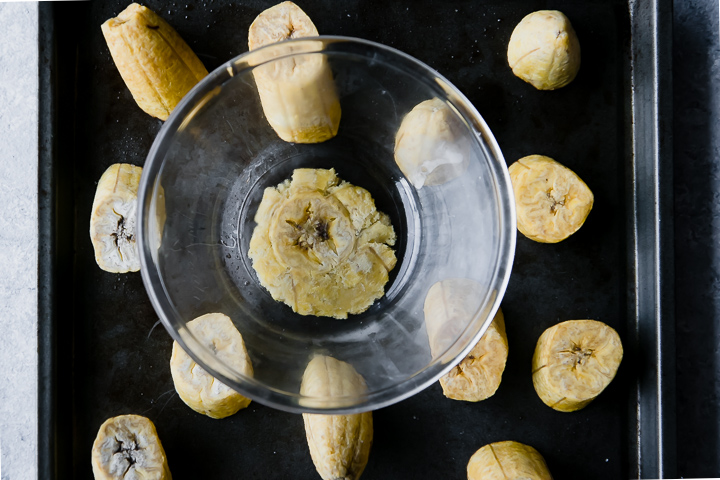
column 291, row 402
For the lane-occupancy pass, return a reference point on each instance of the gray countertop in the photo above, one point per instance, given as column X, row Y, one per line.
column 18, row 239
column 696, row 70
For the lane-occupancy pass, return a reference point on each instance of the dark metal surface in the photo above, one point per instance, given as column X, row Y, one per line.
column 56, row 218
column 104, row 355
column 696, row 103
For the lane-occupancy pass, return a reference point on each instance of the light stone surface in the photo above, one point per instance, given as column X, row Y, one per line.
column 18, row 239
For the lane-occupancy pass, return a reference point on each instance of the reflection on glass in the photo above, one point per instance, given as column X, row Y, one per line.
column 431, row 147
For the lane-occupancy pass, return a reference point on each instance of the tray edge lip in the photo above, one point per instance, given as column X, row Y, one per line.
column 56, row 414
column 652, row 226
column 46, row 244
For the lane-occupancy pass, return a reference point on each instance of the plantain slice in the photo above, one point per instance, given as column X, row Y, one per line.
column 478, row 376
column 552, row 201
column 507, row 461
column 156, row 64
column 127, row 447
column 339, row 444
column 114, row 218
column 573, row 363
column 197, row 388
column 430, row 147
column 321, row 246
column 298, row 94
column 450, row 305
column 544, row 50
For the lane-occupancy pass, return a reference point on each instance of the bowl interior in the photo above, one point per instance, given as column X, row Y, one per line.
column 205, row 177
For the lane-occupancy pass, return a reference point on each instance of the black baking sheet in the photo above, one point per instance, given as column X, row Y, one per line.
column 103, row 352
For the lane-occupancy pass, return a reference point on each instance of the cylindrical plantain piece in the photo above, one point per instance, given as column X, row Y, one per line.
column 339, row 444
column 507, row 461
column 197, row 388
column 128, row 448
column 544, row 50
column 573, row 363
column 157, row 65
column 113, row 219
column 430, row 147
column 298, row 94
column 552, row 201
column 450, row 306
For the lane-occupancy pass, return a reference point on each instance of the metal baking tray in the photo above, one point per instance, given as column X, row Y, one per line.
column 102, row 352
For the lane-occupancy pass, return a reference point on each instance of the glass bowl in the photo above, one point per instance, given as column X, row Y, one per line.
column 205, row 176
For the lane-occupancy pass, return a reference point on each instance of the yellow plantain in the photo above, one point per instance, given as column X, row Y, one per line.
column 573, row 363
column 450, row 306
column 321, row 246
column 157, row 65
column 339, row 444
column 114, row 217
column 298, row 94
column 128, row 448
column 552, row 201
column 478, row 376
column 544, row 50
column 507, row 461
column 430, row 147
column 197, row 388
